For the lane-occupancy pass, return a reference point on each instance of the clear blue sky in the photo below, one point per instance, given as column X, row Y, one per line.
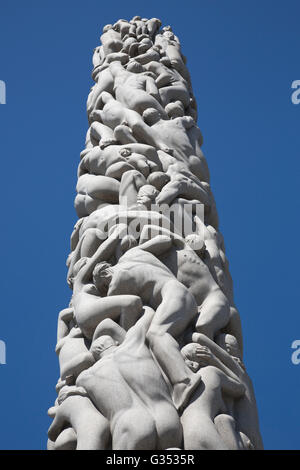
column 243, row 57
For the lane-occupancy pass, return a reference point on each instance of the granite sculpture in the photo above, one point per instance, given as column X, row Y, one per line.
column 150, row 346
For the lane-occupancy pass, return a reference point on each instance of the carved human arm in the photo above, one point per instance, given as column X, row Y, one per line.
column 205, row 354
column 63, row 413
column 110, row 328
column 181, row 185
column 58, row 424
column 150, row 55
column 117, row 169
column 77, row 364
column 94, row 237
column 223, row 356
column 141, row 327
column 102, row 187
column 164, row 79
column 75, row 332
column 151, row 88
column 75, row 233
column 81, row 170
column 64, row 318
column 147, row 135
column 116, row 68
column 156, row 230
column 157, row 246
column 104, row 252
column 204, row 357
column 232, row 386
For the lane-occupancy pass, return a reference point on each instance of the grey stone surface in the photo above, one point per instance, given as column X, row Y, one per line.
column 150, row 346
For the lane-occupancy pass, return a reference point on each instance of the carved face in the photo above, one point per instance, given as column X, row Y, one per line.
column 125, row 153
column 146, row 195
column 193, row 365
column 102, row 276
column 151, row 116
column 232, row 349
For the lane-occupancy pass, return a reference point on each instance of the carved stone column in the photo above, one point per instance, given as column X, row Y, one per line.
column 150, row 346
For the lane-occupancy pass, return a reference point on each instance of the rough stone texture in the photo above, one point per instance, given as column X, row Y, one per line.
column 150, row 346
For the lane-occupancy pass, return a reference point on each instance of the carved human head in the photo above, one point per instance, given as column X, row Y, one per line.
column 157, row 21
column 193, row 365
column 175, row 109
column 75, row 270
column 144, row 45
column 116, row 25
column 189, row 358
column 107, row 27
column 165, row 61
column 151, row 116
column 196, row 242
column 79, row 264
column 229, row 343
column 127, row 242
column 158, row 179
column 150, row 74
column 135, row 67
column 102, row 276
column 147, row 195
column 169, row 35
column 127, row 43
column 125, row 152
